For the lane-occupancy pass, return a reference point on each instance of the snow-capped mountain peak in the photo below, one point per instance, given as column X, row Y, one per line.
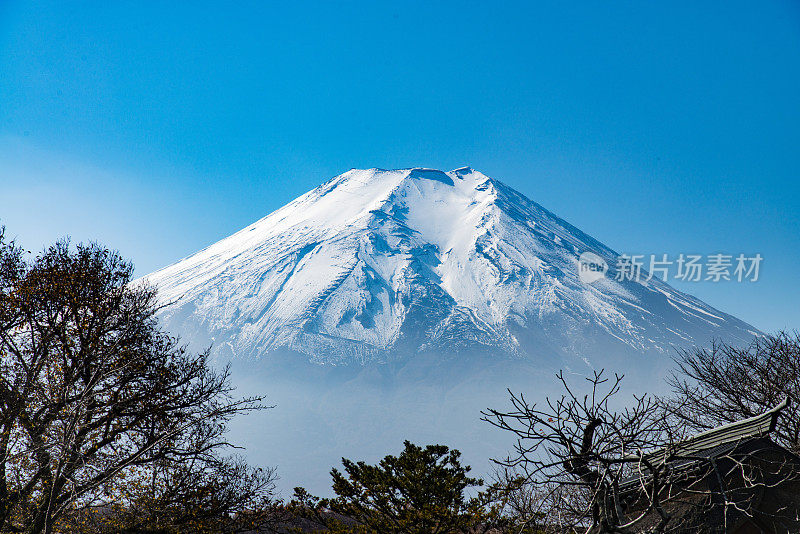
column 375, row 264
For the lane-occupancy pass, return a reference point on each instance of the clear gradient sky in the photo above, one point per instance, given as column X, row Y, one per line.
column 657, row 127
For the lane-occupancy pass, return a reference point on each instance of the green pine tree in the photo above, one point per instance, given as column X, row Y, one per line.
column 421, row 491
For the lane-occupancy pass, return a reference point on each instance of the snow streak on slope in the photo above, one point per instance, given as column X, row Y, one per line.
column 374, row 264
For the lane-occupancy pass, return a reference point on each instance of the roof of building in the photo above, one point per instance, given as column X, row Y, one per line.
column 711, row 444
column 731, row 433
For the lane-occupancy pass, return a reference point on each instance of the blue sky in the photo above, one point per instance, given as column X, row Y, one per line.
column 158, row 128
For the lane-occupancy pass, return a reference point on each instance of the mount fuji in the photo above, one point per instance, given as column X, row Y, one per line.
column 373, row 265
column 393, row 304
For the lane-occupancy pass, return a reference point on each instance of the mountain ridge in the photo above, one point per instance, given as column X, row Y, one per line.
column 375, row 264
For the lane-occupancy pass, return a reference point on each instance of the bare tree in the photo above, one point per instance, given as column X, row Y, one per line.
column 727, row 383
column 218, row 495
column 578, row 451
column 522, row 508
column 92, row 392
column 592, row 468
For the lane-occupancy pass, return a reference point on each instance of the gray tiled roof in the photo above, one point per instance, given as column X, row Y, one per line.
column 759, row 425
column 711, row 444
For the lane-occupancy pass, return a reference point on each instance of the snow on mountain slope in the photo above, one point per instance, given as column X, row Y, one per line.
column 375, row 264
